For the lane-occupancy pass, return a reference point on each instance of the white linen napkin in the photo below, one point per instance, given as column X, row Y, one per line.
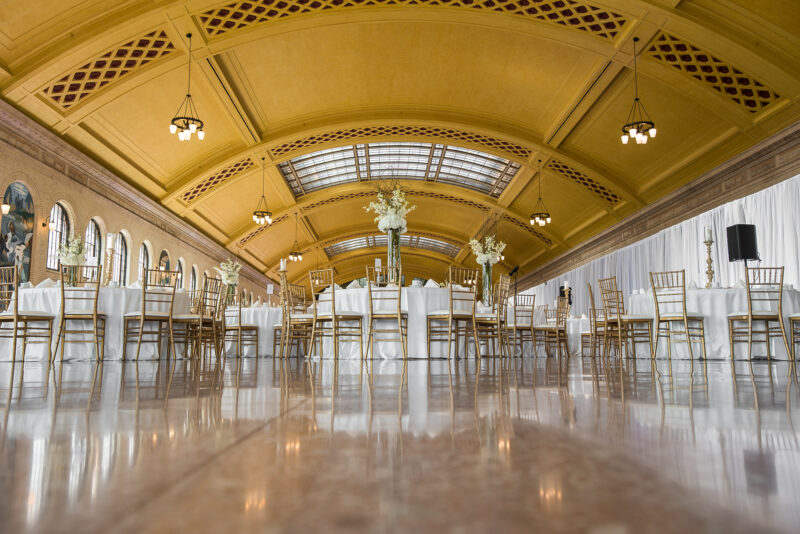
column 136, row 285
column 431, row 283
column 354, row 285
column 47, row 282
column 25, row 285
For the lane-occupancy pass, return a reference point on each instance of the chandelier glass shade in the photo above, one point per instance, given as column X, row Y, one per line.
column 186, row 120
column 540, row 215
column 295, row 254
column 638, row 126
column 262, row 215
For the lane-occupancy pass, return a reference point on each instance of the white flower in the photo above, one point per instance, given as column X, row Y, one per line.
column 229, row 271
column 391, row 211
column 487, row 251
column 72, row 252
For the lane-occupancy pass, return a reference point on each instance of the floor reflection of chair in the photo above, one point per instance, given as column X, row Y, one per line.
column 27, row 326
column 340, row 326
column 669, row 294
column 457, row 322
column 491, row 327
column 158, row 299
column 764, row 308
column 386, row 315
column 622, row 328
column 80, row 292
column 236, row 330
column 521, row 326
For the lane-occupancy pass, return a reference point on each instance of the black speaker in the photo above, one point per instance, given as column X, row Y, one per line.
column 742, row 242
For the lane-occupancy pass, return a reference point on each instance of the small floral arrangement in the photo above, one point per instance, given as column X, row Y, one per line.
column 72, row 252
column 229, row 271
column 391, row 209
column 487, row 250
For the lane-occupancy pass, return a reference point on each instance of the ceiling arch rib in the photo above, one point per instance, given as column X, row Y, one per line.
column 409, row 240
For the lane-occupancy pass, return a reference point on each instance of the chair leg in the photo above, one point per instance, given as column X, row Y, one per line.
column 139, row 341
column 96, row 339
column 730, row 335
column 785, row 341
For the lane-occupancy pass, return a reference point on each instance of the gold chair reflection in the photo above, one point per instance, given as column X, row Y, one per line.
column 339, row 325
column 80, row 292
column 596, row 325
column 764, row 306
column 385, row 308
column 620, row 326
column 235, row 330
column 669, row 294
column 521, row 325
column 298, row 322
column 491, row 326
column 458, row 320
column 158, row 299
column 29, row 326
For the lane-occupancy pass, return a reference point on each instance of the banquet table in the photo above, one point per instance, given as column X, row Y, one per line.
column 265, row 318
column 115, row 302
column 714, row 305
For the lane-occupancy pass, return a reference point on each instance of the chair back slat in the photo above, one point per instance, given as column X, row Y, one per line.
column 500, row 296
column 523, row 309
column 462, row 285
column 9, row 286
column 595, row 314
column 562, row 313
column 612, row 298
column 84, row 294
column 384, row 289
column 765, row 289
column 323, row 290
column 669, row 293
column 158, row 290
column 295, row 300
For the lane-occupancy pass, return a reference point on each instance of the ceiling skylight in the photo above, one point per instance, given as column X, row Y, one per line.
column 430, row 162
column 380, row 241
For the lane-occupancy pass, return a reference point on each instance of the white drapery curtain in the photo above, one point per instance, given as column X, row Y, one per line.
column 774, row 211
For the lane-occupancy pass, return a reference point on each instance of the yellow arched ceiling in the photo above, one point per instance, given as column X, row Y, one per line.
column 523, row 80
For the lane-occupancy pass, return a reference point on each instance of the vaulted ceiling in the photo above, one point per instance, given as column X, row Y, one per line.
column 505, row 83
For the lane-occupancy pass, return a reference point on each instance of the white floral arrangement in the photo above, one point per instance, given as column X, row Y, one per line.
column 487, row 250
column 391, row 210
column 229, row 271
column 72, row 251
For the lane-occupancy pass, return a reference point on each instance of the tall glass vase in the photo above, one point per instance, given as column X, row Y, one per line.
column 486, row 281
column 393, row 259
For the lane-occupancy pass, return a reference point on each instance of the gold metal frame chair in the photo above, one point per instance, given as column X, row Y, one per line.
column 327, row 322
column 521, row 325
column 158, row 291
column 458, row 321
column 24, row 324
column 79, row 304
column 794, row 326
column 555, row 331
column 197, row 330
column 234, row 330
column 597, row 325
column 385, row 305
column 298, row 323
column 619, row 325
column 669, row 294
column 491, row 326
column 764, row 290
column 541, row 314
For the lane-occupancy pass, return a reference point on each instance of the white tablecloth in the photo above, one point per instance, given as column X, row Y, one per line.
column 115, row 302
column 715, row 305
column 265, row 318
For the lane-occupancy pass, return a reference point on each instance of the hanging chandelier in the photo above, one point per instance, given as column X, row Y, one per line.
column 261, row 215
column 540, row 214
column 638, row 126
column 295, row 254
column 186, row 120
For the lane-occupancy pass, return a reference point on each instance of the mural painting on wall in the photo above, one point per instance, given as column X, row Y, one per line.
column 163, row 265
column 16, row 230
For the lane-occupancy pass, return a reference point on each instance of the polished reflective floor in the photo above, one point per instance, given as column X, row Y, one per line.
column 522, row 445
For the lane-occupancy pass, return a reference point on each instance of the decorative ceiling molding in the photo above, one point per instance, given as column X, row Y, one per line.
column 576, row 14
column 584, row 181
column 745, row 90
column 432, row 235
column 308, row 144
column 246, row 239
column 82, row 82
column 524, row 225
column 215, row 180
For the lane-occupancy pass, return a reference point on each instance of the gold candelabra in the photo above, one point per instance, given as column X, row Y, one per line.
column 710, row 263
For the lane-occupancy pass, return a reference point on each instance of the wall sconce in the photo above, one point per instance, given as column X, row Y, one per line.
column 47, row 223
column 5, row 208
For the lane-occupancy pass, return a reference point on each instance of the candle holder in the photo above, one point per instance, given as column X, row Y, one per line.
column 710, row 263
column 107, row 267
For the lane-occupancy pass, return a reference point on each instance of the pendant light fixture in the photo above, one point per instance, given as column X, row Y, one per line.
column 295, row 254
column 186, row 120
column 638, row 126
column 540, row 214
column 261, row 215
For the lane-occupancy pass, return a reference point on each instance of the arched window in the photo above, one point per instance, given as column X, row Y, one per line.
column 144, row 260
column 59, row 232
column 193, row 279
column 179, row 282
column 119, row 268
column 92, row 243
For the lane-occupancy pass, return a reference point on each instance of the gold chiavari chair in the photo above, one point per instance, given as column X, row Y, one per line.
column 340, row 325
column 158, row 300
column 597, row 324
column 491, row 326
column 794, row 326
column 764, row 307
column 385, row 308
column 555, row 330
column 620, row 326
column 79, row 305
column 198, row 329
column 29, row 326
column 298, row 322
column 235, row 330
column 669, row 294
column 459, row 319
column 522, row 321
column 542, row 317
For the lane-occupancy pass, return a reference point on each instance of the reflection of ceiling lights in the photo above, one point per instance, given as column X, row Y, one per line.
column 638, row 126
column 540, row 214
column 186, row 122
column 261, row 215
column 295, row 254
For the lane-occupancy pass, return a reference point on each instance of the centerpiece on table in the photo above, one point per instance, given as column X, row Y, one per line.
column 72, row 253
column 229, row 273
column 391, row 210
column 488, row 251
